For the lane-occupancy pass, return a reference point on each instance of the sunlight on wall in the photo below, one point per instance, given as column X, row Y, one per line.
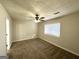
column 8, row 33
column 52, row 29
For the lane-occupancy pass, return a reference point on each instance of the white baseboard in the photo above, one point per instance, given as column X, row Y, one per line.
column 62, row 48
column 23, row 39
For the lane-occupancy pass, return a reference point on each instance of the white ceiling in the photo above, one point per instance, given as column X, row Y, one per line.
column 25, row 9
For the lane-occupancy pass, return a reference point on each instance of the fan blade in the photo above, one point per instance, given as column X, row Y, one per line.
column 41, row 18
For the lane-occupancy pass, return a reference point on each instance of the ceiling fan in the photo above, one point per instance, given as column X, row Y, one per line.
column 38, row 19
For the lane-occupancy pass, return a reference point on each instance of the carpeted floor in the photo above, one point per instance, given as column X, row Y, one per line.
column 38, row 49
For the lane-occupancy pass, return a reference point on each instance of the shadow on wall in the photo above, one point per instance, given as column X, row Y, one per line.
column 24, row 30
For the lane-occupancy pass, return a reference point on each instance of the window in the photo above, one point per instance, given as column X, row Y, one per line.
column 52, row 29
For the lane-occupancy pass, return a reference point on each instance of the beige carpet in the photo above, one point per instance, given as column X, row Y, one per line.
column 38, row 49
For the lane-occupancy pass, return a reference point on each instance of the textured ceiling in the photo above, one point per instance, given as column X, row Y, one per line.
column 26, row 9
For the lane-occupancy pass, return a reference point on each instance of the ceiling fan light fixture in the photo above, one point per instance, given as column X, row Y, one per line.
column 37, row 21
column 37, row 18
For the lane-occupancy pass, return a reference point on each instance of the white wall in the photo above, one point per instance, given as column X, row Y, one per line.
column 24, row 30
column 69, row 38
column 3, row 16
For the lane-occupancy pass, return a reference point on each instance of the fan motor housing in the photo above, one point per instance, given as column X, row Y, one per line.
column 37, row 17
